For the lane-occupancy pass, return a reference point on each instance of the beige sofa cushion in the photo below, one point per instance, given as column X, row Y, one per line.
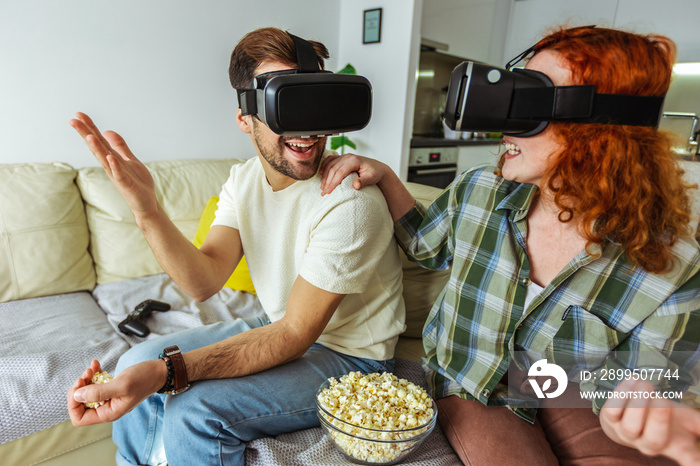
column 421, row 287
column 43, row 233
column 117, row 245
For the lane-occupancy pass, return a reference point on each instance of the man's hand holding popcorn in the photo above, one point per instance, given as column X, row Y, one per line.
column 117, row 397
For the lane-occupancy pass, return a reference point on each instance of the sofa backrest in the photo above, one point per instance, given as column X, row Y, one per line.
column 119, row 249
column 43, row 234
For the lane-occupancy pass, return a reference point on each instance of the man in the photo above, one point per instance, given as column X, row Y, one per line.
column 326, row 270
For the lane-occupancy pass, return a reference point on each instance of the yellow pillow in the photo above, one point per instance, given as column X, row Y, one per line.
column 240, row 278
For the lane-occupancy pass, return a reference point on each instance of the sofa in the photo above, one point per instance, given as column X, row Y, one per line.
column 73, row 264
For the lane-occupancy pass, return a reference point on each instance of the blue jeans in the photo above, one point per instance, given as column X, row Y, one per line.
column 210, row 422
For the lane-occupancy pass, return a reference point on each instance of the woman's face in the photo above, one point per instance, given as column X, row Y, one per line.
column 527, row 159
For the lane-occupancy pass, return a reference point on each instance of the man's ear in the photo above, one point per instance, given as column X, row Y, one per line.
column 244, row 122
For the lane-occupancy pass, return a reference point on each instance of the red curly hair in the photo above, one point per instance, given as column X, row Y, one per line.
column 622, row 183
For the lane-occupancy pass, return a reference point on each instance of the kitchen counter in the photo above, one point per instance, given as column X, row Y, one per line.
column 442, row 142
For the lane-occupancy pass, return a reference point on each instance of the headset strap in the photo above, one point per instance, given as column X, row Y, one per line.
column 307, row 61
column 247, row 101
column 581, row 104
column 306, row 55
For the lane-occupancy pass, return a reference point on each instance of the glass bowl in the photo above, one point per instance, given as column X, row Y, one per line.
column 362, row 445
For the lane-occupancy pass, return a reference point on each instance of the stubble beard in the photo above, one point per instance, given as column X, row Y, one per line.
column 274, row 155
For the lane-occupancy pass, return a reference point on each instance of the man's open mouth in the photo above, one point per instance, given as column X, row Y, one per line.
column 300, row 147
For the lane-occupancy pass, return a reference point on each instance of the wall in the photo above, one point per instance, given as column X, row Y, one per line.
column 391, row 67
column 156, row 71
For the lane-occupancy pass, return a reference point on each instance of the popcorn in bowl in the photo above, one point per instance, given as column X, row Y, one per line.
column 99, row 377
column 375, row 418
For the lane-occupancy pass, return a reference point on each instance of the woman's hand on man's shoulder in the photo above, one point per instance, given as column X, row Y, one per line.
column 335, row 168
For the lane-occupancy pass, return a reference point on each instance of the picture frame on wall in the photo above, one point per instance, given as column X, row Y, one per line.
column 372, row 26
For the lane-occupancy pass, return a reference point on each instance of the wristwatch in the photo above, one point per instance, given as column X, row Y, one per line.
column 177, row 381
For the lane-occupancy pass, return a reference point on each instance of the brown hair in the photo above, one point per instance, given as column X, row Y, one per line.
column 265, row 44
column 622, row 182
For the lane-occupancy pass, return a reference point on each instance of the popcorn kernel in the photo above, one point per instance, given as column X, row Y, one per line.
column 98, row 378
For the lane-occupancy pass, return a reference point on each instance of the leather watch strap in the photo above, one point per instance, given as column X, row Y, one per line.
column 180, row 382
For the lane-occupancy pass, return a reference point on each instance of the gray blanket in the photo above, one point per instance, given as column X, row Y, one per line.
column 45, row 344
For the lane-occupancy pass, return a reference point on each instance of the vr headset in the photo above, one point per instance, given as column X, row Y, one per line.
column 308, row 101
column 522, row 102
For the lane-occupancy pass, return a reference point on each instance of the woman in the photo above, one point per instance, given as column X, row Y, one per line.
column 578, row 249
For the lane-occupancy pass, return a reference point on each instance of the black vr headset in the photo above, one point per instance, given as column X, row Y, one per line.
column 522, row 102
column 308, row 101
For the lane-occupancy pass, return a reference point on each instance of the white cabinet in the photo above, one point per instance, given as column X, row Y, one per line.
column 678, row 19
column 494, row 31
column 473, row 29
column 530, row 20
column 469, row 156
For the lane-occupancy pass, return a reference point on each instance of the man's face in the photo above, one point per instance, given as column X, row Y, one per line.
column 293, row 156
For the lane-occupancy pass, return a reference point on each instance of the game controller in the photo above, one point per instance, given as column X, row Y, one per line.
column 133, row 324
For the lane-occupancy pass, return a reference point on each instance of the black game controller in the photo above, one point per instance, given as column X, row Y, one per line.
column 133, row 324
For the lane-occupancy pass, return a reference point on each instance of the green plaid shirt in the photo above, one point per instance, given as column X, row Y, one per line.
column 600, row 311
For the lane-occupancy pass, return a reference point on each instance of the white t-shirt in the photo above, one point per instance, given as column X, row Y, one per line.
column 342, row 242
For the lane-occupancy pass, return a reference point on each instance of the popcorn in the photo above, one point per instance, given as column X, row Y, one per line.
column 375, row 407
column 99, row 377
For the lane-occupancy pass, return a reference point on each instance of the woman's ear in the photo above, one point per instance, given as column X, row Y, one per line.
column 243, row 122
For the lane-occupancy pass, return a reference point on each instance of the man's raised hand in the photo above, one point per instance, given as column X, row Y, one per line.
column 131, row 177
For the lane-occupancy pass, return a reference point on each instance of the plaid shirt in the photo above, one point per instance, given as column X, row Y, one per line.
column 599, row 312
